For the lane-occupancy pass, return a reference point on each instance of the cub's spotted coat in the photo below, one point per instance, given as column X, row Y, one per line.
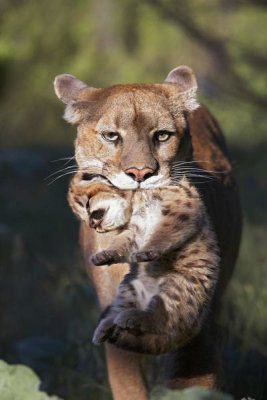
column 166, row 236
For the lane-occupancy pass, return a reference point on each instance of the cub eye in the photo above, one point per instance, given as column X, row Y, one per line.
column 162, row 136
column 111, row 136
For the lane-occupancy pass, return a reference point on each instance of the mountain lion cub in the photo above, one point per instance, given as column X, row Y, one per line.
column 166, row 236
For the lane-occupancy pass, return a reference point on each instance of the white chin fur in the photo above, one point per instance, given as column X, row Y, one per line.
column 154, row 182
column 122, row 181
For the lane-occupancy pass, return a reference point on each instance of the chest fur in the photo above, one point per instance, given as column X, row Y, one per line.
column 146, row 216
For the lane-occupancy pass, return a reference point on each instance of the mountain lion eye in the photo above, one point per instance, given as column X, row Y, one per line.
column 162, row 136
column 111, row 136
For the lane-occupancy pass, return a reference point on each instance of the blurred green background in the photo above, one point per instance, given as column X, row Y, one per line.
column 48, row 308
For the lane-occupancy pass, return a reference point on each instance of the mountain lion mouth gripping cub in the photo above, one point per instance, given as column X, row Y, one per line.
column 165, row 235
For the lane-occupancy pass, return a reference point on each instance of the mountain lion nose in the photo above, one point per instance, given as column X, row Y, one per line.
column 139, row 175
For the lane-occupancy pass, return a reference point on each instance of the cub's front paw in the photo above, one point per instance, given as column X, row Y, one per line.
column 142, row 256
column 107, row 257
column 103, row 330
column 136, row 320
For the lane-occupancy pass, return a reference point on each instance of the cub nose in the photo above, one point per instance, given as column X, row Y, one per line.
column 140, row 175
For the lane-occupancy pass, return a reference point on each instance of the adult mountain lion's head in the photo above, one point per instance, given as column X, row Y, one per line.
column 129, row 133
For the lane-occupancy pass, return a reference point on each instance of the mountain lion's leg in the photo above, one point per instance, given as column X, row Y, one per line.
column 196, row 364
column 124, row 368
column 125, row 374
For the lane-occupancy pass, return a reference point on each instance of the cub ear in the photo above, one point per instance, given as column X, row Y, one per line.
column 67, row 88
column 185, row 85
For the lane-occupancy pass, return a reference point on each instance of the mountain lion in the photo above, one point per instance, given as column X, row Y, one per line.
column 138, row 136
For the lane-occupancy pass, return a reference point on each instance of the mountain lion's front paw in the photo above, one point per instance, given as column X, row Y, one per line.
column 107, row 257
column 142, row 256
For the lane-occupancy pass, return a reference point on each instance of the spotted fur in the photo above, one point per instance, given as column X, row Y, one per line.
column 166, row 236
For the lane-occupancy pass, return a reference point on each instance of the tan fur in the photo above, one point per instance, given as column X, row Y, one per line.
column 137, row 111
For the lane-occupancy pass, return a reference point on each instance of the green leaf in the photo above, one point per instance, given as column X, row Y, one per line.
column 18, row 382
column 195, row 393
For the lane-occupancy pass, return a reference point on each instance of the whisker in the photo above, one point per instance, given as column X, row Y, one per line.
column 191, row 162
column 63, row 159
column 188, row 168
column 201, row 182
column 234, row 163
column 187, row 173
column 72, row 172
column 61, row 170
column 69, row 159
column 184, row 171
column 207, row 177
column 187, row 165
column 195, row 182
column 61, row 176
column 193, row 175
column 173, row 183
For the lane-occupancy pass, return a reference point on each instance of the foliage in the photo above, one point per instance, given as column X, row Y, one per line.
column 20, row 383
column 195, row 393
column 106, row 42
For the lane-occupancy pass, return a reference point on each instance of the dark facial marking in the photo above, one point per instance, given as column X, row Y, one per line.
column 190, row 302
column 78, row 202
column 187, row 191
column 183, row 217
column 98, row 214
column 196, row 251
column 175, row 296
column 157, row 196
column 87, row 177
column 165, row 211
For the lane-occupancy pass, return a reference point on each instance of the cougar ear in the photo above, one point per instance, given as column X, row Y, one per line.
column 182, row 76
column 185, row 85
column 67, row 88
